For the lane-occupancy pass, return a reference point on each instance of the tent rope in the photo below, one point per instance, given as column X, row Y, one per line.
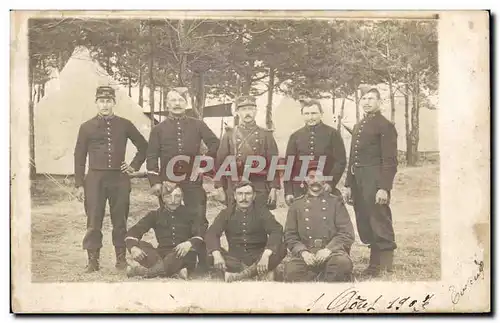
column 56, row 182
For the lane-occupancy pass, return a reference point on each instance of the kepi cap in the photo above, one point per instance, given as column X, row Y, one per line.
column 105, row 92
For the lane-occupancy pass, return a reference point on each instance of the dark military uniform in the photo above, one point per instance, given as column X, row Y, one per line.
column 181, row 136
column 316, row 141
column 248, row 234
column 372, row 166
column 243, row 141
column 171, row 228
column 314, row 223
column 104, row 140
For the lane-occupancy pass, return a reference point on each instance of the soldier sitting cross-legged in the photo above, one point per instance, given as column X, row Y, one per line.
column 179, row 234
column 319, row 233
column 255, row 238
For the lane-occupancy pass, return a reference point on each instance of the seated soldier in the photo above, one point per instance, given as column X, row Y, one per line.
column 319, row 233
column 179, row 235
column 254, row 237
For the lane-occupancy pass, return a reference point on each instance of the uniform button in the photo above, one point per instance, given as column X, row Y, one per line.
column 238, row 139
column 254, row 148
column 256, row 132
column 323, row 201
column 307, row 201
column 239, row 155
column 324, row 208
column 307, row 219
column 307, row 228
column 256, row 140
column 307, row 210
column 357, row 164
column 310, row 237
column 244, row 223
column 311, row 153
column 324, row 218
column 312, row 142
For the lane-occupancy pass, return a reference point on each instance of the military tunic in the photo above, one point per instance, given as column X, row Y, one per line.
column 241, row 142
column 104, row 140
column 248, row 234
column 316, row 141
column 171, row 228
column 181, row 136
column 314, row 223
column 373, row 166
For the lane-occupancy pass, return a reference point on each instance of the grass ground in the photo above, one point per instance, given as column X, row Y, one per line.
column 58, row 226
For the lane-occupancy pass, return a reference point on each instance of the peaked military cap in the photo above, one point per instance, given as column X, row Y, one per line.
column 106, row 92
column 244, row 101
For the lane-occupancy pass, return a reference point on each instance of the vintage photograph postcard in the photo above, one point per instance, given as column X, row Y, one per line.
column 250, row 162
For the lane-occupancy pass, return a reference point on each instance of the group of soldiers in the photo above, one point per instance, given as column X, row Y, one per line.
column 318, row 233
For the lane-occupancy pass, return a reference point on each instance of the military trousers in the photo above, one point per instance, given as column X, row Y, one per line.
column 101, row 186
column 337, row 268
column 238, row 259
column 374, row 221
column 195, row 198
column 172, row 264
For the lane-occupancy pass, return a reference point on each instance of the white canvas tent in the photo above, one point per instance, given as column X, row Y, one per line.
column 60, row 113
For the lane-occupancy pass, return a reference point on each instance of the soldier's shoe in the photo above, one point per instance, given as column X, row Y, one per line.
column 93, row 261
column 246, row 273
column 182, row 274
column 134, row 271
column 121, row 261
column 386, row 260
column 269, row 276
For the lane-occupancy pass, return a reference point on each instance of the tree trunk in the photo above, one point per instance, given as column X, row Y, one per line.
column 108, row 65
column 199, row 102
column 160, row 102
column 269, row 108
column 333, row 103
column 60, row 61
column 415, row 122
column 38, row 93
column 356, row 99
column 165, row 92
column 130, row 86
column 141, row 86
column 42, row 89
column 31, row 114
column 339, row 125
column 393, row 105
column 407, row 125
column 152, row 86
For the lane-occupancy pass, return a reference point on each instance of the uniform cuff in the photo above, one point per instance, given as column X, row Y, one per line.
column 131, row 242
column 299, row 248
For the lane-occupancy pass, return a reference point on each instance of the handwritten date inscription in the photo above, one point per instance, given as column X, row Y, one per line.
column 351, row 300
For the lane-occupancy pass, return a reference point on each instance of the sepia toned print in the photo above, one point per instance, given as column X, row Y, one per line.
column 296, row 161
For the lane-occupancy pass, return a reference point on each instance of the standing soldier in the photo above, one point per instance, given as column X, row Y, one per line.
column 315, row 139
column 254, row 237
column 319, row 233
column 248, row 139
column 104, row 139
column 371, row 171
column 180, row 135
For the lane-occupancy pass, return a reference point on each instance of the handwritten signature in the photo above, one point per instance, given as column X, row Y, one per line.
column 456, row 294
column 351, row 300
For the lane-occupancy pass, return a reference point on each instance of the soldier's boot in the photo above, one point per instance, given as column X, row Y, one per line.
column 121, row 260
column 245, row 273
column 373, row 269
column 93, row 261
column 182, row 274
column 386, row 261
column 155, row 271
